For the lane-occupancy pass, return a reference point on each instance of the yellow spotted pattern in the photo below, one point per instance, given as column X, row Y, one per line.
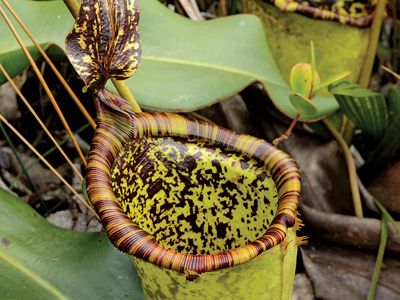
column 104, row 41
column 194, row 197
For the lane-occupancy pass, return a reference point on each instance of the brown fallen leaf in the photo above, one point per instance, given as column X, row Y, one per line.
column 339, row 273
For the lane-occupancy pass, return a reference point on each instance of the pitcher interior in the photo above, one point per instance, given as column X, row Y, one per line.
column 194, row 196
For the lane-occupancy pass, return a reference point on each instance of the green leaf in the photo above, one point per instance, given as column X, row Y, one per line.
column 186, row 64
column 302, row 104
column 330, row 80
column 15, row 61
column 379, row 259
column 315, row 76
column 365, row 108
column 41, row 261
column 37, row 15
column 205, row 62
column 301, row 79
column 390, row 141
column 313, row 60
column 338, row 47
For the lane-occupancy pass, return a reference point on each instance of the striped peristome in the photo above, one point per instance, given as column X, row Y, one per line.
column 104, row 41
column 127, row 236
column 352, row 12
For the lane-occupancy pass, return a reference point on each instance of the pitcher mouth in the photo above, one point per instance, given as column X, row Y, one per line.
column 132, row 239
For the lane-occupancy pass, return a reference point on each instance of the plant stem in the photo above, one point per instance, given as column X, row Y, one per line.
column 352, row 172
column 379, row 14
column 347, row 130
column 288, row 131
column 191, row 9
column 391, row 72
column 366, row 70
column 389, row 219
column 125, row 93
column 379, row 259
column 73, row 7
column 121, row 86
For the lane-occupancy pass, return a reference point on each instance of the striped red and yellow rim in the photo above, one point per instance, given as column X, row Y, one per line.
column 128, row 237
column 357, row 14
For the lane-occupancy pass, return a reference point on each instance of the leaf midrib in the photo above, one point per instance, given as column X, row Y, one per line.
column 205, row 65
column 34, row 277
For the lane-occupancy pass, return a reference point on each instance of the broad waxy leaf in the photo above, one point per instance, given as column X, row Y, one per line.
column 41, row 261
column 37, row 15
column 226, row 55
column 186, row 65
column 104, row 41
column 365, row 108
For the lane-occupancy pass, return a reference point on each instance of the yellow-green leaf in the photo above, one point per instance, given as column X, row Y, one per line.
column 332, row 79
column 301, row 79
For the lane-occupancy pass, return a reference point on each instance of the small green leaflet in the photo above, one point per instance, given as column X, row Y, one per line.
column 302, row 104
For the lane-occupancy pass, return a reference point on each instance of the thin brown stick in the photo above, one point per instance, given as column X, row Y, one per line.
column 52, row 169
column 222, row 8
column 288, row 131
column 391, row 72
column 44, row 84
column 191, row 9
column 52, row 66
column 26, row 102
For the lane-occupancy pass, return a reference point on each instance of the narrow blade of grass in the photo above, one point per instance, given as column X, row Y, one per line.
column 387, row 216
column 379, row 259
